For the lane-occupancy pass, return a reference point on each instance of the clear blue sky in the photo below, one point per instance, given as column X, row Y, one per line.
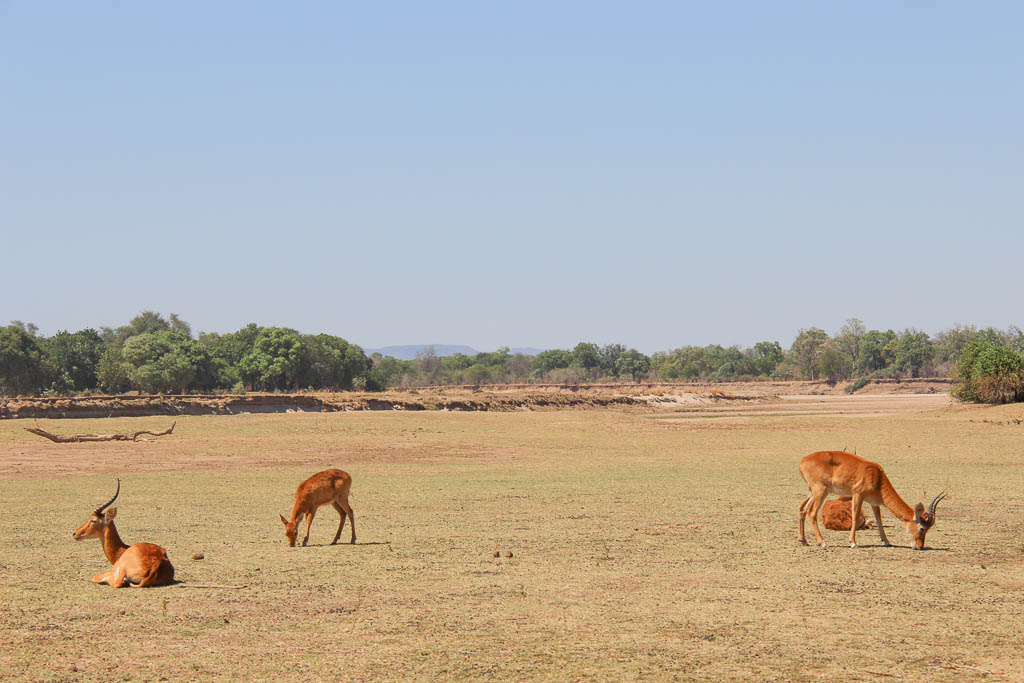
column 529, row 174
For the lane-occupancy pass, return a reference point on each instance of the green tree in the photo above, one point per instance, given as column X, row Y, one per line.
column 22, row 369
column 849, row 336
column 74, row 358
column 587, row 356
column 767, row 356
column 477, row 374
column 633, row 363
column 275, row 360
column 227, row 351
column 875, row 351
column 609, row 354
column 808, row 345
column 387, row 371
column 728, row 363
column 690, row 362
column 112, row 372
column 160, row 362
column 146, row 322
column 948, row 343
column 991, row 336
column 494, row 359
column 834, row 365
column 331, row 362
column 546, row 361
column 911, row 351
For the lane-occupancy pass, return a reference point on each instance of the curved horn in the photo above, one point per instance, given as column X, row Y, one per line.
column 935, row 502
column 103, row 507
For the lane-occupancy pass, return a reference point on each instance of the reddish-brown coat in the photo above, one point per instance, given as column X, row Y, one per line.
column 835, row 514
column 139, row 566
column 864, row 481
column 329, row 486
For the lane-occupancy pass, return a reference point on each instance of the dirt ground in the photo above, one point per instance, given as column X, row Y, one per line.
column 633, row 543
column 492, row 398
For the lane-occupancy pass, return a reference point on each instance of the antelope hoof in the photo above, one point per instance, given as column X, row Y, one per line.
column 824, row 546
column 803, row 541
column 854, row 545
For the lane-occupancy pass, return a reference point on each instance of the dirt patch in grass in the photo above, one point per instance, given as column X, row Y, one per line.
column 642, row 546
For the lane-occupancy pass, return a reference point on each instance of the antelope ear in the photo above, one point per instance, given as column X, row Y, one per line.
column 918, row 512
column 283, row 520
column 110, row 513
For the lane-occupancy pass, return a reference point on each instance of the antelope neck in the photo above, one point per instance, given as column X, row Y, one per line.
column 113, row 546
column 892, row 500
column 298, row 511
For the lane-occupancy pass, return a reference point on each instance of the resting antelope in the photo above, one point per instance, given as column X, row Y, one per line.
column 835, row 514
column 329, row 486
column 862, row 480
column 139, row 565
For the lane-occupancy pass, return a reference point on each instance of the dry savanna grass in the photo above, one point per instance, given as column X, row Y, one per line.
column 645, row 544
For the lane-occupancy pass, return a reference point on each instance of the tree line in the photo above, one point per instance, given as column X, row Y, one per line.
column 153, row 354
column 854, row 351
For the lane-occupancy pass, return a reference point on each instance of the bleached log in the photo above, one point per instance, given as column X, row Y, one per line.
column 81, row 438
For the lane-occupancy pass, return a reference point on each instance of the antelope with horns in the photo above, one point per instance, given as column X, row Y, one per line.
column 140, row 565
column 847, row 474
column 329, row 486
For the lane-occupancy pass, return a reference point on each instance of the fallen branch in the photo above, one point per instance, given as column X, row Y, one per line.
column 167, row 431
column 210, row 585
column 80, row 438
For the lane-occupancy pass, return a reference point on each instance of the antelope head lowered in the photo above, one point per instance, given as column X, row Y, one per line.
column 864, row 481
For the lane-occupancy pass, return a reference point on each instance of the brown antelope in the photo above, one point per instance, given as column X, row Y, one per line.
column 329, row 486
column 139, row 565
column 835, row 514
column 862, row 480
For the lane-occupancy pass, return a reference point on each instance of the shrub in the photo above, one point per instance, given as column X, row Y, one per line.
column 989, row 373
column 857, row 384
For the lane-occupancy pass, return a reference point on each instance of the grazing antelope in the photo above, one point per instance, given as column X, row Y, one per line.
column 862, row 480
column 139, row 565
column 329, row 486
column 835, row 514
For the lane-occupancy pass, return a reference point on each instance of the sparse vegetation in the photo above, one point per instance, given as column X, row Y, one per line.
column 645, row 545
column 156, row 355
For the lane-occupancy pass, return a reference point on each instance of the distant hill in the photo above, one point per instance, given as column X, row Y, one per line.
column 525, row 350
column 409, row 351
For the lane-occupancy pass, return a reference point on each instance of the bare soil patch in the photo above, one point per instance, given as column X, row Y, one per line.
column 636, row 543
